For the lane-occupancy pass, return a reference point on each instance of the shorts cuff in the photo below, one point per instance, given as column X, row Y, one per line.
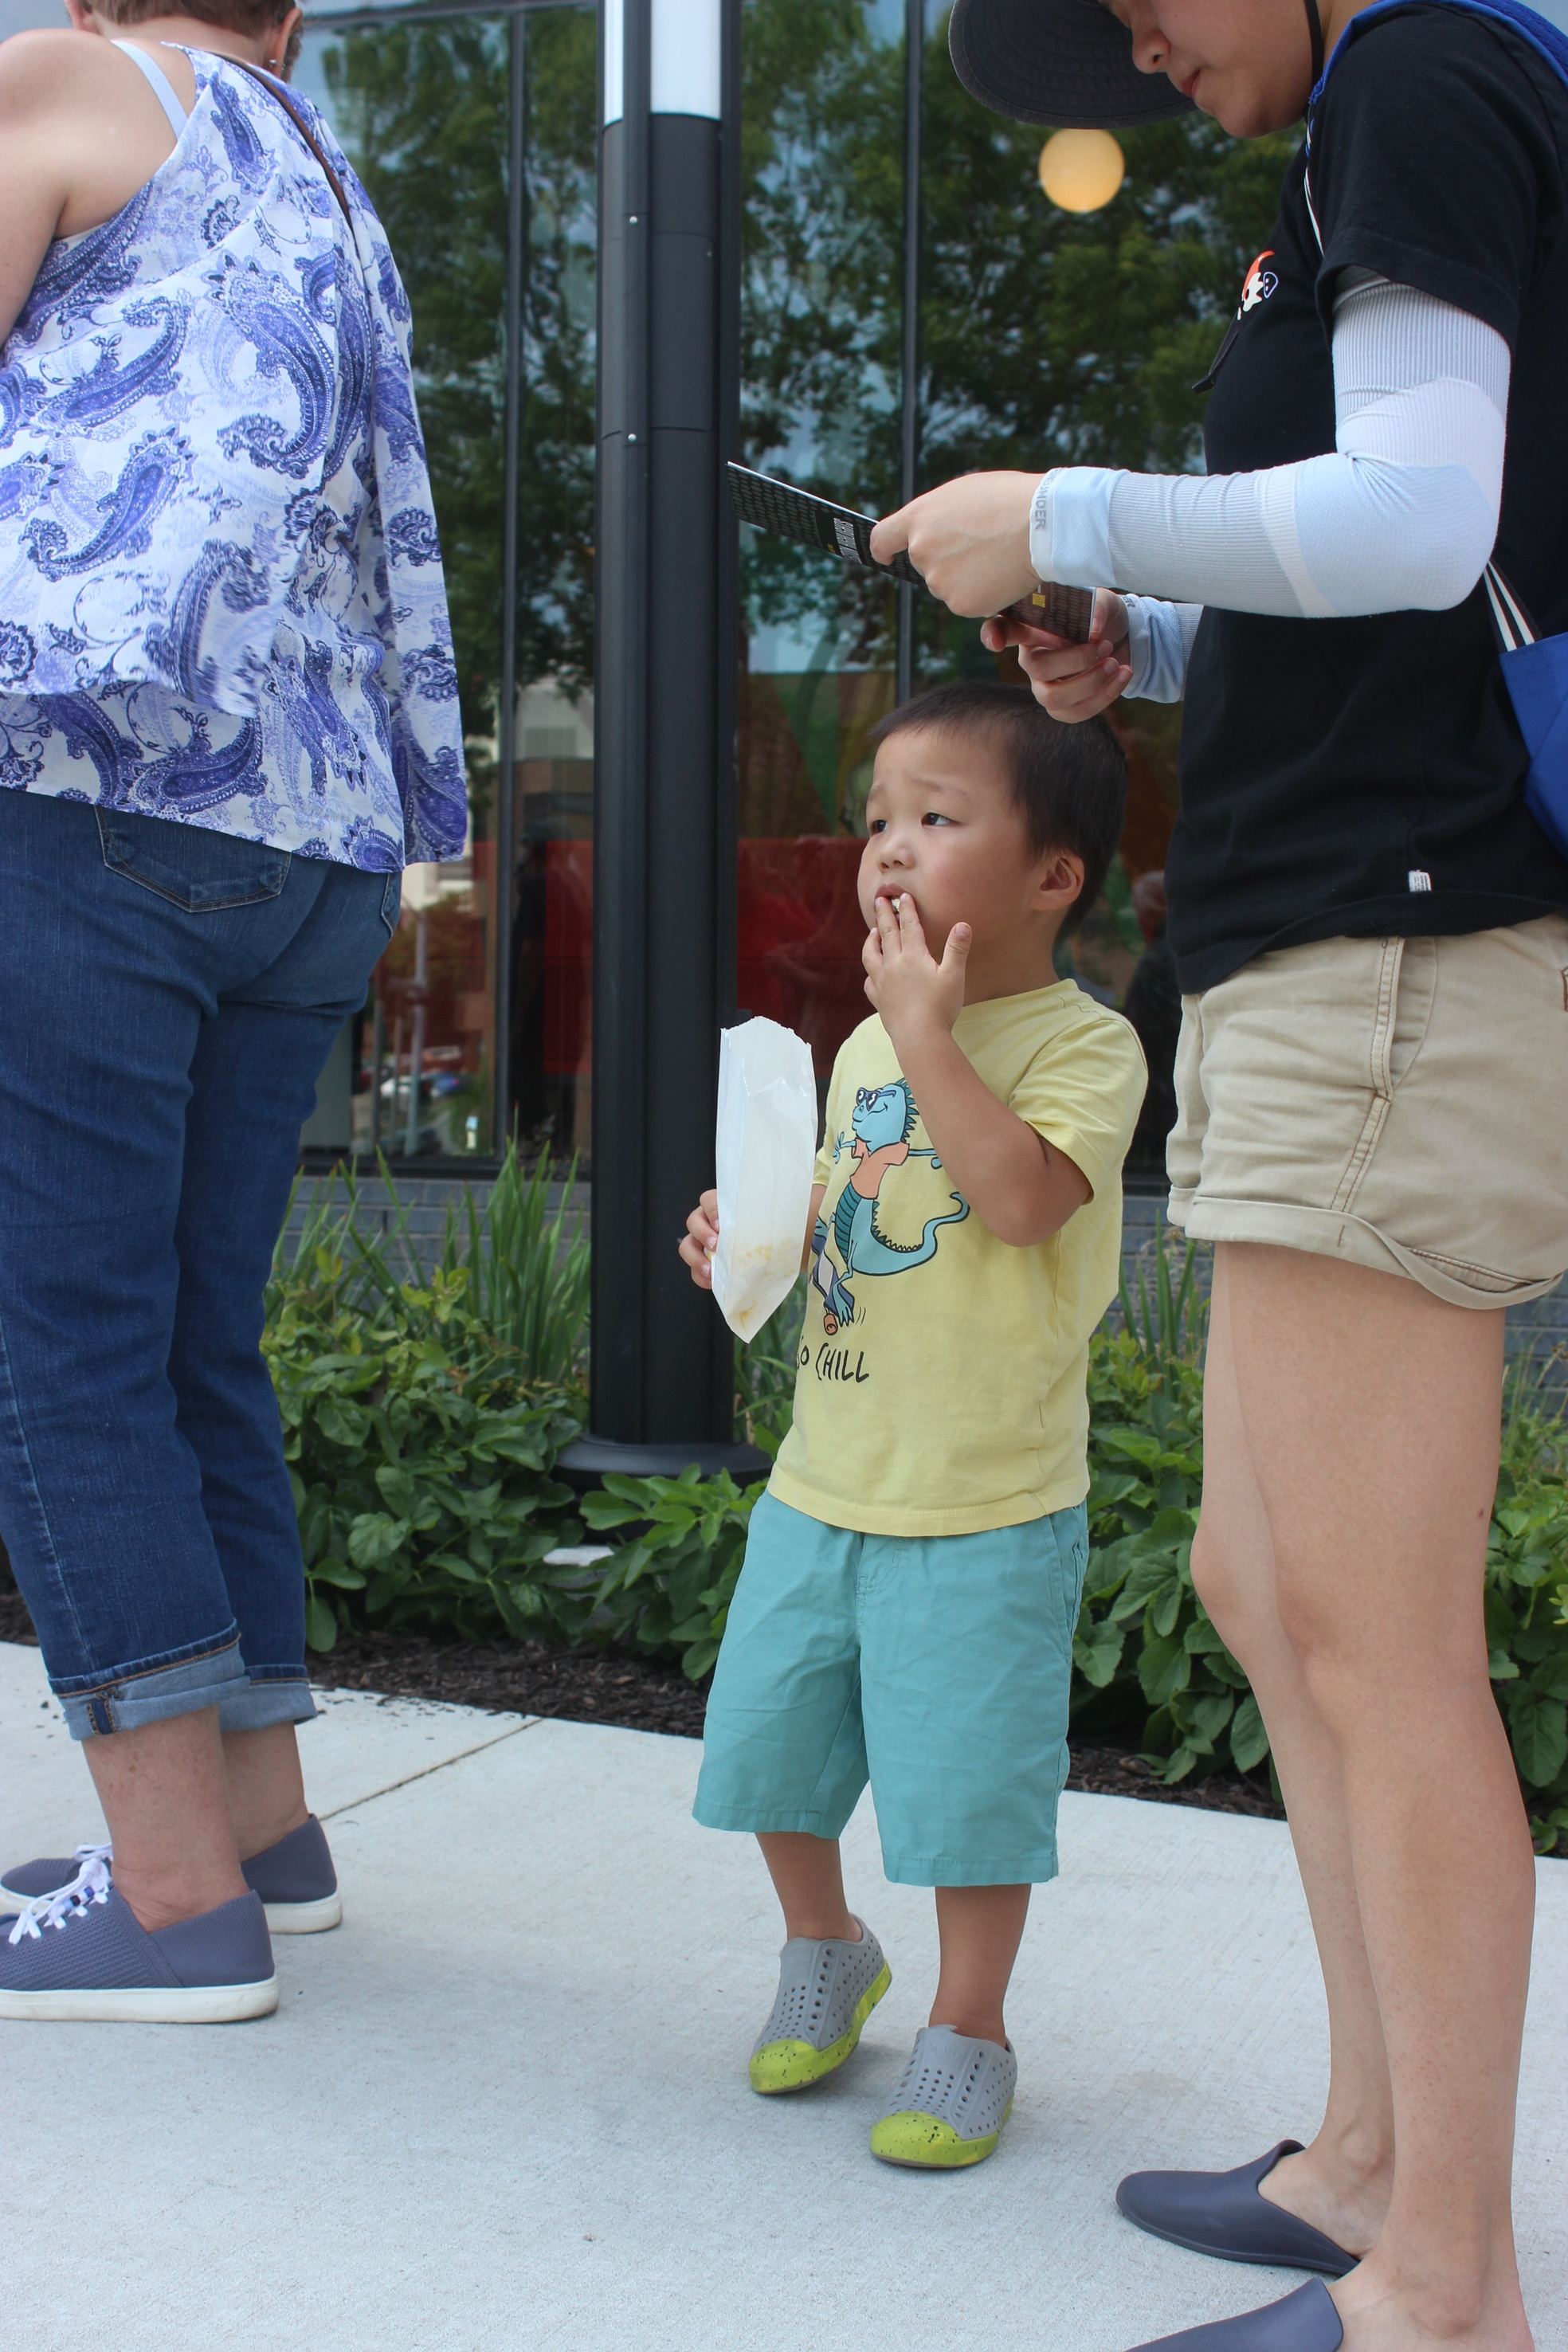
column 1032, row 1869
column 1332, row 1233
column 266, row 1699
column 756, row 1822
column 129, row 1701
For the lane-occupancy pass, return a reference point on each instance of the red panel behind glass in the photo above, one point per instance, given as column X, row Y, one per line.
column 568, row 958
column 800, row 939
column 800, row 936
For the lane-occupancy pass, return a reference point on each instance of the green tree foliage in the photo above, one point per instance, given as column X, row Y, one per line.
column 1046, row 337
column 556, row 618
column 422, row 112
column 1054, row 337
column 822, row 165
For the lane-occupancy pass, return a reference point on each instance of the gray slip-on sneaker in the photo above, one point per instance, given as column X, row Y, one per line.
column 294, row 1878
column 1222, row 2213
column 953, row 2099
column 82, row 1954
column 295, row 1882
column 827, row 1991
column 1306, row 2321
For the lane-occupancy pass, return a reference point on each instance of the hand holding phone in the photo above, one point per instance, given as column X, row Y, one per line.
column 788, row 513
column 1066, row 613
column 1073, row 680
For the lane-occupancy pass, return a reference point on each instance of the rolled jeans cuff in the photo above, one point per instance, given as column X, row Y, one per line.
column 270, row 1695
column 125, row 1702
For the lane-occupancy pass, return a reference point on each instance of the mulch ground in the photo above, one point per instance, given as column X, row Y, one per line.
column 638, row 1693
column 594, row 1686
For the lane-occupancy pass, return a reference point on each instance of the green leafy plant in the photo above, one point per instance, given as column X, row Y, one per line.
column 1143, row 1637
column 1144, row 1640
column 1527, row 1595
column 420, row 1463
column 764, row 1376
column 670, row 1586
column 423, row 1416
column 517, row 1269
column 526, row 1270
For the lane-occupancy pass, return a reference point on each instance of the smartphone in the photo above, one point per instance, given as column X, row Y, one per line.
column 788, row 513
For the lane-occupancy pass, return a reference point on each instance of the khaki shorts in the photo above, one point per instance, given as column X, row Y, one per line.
column 1400, row 1104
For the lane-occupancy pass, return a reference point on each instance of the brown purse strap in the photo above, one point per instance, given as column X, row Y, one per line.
column 304, row 130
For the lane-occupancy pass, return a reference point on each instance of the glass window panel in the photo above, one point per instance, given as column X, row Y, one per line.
column 823, row 126
column 421, row 112
column 553, row 792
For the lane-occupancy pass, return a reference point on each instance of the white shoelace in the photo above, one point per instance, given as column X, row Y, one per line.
column 89, row 1886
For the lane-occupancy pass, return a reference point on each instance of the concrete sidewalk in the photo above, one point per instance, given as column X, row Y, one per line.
column 505, row 2105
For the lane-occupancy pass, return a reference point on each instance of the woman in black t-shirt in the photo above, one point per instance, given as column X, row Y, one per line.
column 1371, row 934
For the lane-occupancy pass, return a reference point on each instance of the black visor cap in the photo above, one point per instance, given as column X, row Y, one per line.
column 1067, row 63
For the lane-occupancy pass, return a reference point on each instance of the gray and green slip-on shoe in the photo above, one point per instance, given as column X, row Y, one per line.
column 294, row 1878
column 82, row 1954
column 955, row 2096
column 827, row 1991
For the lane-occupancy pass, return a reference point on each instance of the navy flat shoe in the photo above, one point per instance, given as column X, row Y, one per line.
column 1305, row 2322
column 1221, row 2213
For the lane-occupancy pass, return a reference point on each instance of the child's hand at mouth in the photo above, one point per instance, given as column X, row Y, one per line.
column 908, row 988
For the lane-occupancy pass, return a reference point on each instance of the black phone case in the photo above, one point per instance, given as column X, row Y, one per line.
column 788, row 513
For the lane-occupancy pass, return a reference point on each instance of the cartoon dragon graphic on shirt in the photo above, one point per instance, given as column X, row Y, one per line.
column 883, row 1120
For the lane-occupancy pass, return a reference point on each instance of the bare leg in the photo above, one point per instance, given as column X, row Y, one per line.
column 165, row 1798
column 980, row 1929
column 808, row 1880
column 266, row 1787
column 1341, row 2183
column 1370, row 1414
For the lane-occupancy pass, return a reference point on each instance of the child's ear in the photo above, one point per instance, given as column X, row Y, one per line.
column 1058, row 882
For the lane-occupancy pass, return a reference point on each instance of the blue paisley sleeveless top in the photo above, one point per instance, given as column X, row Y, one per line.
column 221, row 597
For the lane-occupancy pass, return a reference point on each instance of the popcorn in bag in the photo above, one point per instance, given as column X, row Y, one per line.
column 765, row 1151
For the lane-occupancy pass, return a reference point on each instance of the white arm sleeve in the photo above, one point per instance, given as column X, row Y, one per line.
column 1403, row 516
column 1158, row 641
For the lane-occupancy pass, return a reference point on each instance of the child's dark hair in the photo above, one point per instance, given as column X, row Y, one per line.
column 1069, row 782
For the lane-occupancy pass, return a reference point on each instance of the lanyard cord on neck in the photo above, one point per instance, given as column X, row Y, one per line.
column 1315, row 32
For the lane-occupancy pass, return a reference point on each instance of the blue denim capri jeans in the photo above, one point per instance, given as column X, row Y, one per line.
column 170, row 995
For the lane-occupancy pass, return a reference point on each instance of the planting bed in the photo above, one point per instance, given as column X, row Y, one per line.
column 612, row 1686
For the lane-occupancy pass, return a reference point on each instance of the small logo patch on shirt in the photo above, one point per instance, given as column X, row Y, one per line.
column 1258, row 283
column 1419, row 879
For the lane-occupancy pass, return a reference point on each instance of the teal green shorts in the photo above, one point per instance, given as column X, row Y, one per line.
column 935, row 1667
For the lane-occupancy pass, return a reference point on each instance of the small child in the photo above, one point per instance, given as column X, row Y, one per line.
column 912, row 1581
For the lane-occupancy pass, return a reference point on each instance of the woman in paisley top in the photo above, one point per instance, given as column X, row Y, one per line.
column 228, row 716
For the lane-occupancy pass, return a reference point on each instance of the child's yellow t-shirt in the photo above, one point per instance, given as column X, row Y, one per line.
column 940, row 1386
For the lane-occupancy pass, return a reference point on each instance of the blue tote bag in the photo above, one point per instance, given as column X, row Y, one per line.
column 1534, row 668
column 1535, row 672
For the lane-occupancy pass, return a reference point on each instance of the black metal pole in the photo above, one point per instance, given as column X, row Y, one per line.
column 727, row 681
column 506, row 728
column 910, row 384
column 664, row 868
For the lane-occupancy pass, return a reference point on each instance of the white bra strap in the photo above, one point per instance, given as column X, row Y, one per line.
column 162, row 88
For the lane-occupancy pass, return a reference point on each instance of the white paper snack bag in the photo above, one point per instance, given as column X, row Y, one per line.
column 765, row 1151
